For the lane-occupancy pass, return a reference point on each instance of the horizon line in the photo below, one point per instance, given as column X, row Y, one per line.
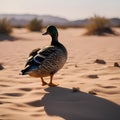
column 56, row 16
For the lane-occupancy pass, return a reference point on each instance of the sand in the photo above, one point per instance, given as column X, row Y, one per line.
column 96, row 93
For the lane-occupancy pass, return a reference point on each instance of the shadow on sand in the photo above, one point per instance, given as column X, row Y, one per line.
column 6, row 37
column 70, row 105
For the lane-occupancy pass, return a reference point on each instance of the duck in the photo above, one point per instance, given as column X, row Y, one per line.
column 46, row 62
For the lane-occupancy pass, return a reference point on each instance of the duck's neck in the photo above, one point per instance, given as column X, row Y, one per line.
column 54, row 41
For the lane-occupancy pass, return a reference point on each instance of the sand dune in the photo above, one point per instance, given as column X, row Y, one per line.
column 23, row 97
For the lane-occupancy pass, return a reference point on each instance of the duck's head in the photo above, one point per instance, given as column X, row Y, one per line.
column 51, row 30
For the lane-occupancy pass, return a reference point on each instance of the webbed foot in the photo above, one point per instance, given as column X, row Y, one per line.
column 44, row 83
column 52, row 84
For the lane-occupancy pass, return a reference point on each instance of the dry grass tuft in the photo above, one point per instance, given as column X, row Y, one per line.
column 5, row 27
column 99, row 26
column 35, row 25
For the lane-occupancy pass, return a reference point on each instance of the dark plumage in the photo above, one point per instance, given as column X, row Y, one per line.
column 47, row 61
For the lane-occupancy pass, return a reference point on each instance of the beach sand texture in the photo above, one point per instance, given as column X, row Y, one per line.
column 86, row 91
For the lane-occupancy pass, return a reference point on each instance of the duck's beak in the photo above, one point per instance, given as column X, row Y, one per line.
column 46, row 33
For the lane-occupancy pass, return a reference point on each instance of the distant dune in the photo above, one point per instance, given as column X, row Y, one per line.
column 22, row 19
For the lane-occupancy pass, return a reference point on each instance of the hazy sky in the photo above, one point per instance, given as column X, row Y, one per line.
column 70, row 9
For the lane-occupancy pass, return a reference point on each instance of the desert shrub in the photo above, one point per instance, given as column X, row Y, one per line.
column 35, row 25
column 118, row 26
column 5, row 27
column 99, row 26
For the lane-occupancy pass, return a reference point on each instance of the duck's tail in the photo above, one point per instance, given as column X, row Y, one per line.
column 28, row 69
column 23, row 72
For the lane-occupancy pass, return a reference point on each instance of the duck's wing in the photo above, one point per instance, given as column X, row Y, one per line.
column 43, row 54
column 34, row 52
column 31, row 56
column 30, row 64
column 37, row 56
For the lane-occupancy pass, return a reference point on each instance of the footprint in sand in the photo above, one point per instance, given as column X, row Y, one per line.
column 1, row 67
column 36, row 115
column 4, row 86
column 36, row 103
column 16, row 109
column 114, row 79
column 1, row 102
column 14, row 94
column 109, row 86
column 26, row 89
column 94, row 91
column 94, row 76
column 106, row 91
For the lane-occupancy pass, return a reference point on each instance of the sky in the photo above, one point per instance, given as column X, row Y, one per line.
column 70, row 9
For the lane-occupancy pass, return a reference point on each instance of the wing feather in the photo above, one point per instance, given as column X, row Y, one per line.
column 37, row 56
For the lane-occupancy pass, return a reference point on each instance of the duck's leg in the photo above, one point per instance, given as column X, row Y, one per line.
column 43, row 82
column 50, row 83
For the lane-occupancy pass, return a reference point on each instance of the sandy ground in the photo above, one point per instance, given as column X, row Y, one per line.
column 23, row 97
